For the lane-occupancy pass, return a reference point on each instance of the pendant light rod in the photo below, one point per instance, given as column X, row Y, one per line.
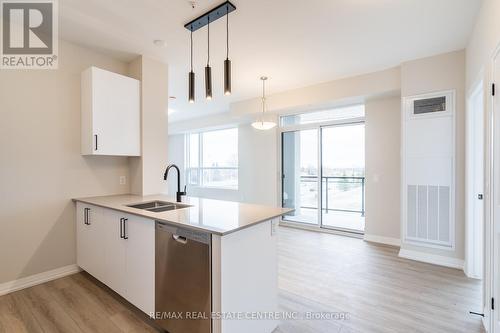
column 227, row 36
column 227, row 62
column 210, row 16
column 191, row 51
column 263, row 78
column 208, row 43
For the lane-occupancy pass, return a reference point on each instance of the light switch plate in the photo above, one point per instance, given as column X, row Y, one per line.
column 123, row 180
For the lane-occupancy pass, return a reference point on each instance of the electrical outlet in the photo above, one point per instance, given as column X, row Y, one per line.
column 123, row 180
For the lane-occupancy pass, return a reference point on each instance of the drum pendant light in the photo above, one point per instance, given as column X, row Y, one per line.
column 208, row 70
column 227, row 62
column 191, row 75
column 262, row 122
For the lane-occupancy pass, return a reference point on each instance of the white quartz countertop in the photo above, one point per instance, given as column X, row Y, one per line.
column 213, row 216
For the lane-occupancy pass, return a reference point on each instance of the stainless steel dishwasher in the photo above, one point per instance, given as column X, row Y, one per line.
column 183, row 279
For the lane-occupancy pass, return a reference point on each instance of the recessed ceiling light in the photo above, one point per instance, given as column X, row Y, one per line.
column 172, row 97
column 160, row 42
column 170, row 111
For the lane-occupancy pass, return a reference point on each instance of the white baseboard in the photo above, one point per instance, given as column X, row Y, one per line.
column 383, row 240
column 432, row 258
column 33, row 280
column 471, row 274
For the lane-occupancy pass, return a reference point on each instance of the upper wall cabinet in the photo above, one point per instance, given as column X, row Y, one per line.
column 110, row 114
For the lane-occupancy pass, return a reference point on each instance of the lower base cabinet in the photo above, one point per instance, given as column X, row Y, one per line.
column 119, row 250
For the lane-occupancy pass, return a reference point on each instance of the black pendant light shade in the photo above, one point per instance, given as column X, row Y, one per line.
column 227, row 77
column 191, row 87
column 208, row 82
column 208, row 70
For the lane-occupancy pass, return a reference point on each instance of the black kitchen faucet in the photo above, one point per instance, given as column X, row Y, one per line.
column 179, row 194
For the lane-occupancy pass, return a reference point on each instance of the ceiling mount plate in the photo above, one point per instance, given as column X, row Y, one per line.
column 214, row 14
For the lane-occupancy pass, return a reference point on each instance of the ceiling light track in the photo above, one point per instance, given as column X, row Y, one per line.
column 212, row 15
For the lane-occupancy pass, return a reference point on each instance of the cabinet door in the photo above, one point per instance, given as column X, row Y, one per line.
column 115, row 254
column 82, row 237
column 90, row 240
column 140, row 263
column 115, row 114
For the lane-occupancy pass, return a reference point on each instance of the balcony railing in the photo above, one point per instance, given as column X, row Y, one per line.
column 341, row 184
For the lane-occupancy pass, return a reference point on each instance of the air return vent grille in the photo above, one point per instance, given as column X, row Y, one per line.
column 428, row 214
column 429, row 105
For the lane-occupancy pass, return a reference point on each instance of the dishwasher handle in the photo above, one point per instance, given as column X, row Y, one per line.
column 180, row 239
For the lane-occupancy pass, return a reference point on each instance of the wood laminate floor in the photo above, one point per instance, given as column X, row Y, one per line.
column 318, row 273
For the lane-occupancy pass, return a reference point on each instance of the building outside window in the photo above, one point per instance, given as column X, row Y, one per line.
column 212, row 158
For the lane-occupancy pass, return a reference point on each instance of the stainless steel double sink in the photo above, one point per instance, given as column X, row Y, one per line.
column 158, row 206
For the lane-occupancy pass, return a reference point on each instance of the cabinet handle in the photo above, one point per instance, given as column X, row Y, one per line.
column 121, row 227
column 95, row 136
column 85, row 216
column 125, row 235
column 86, row 219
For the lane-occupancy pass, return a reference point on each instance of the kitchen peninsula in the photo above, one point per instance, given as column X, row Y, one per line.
column 212, row 263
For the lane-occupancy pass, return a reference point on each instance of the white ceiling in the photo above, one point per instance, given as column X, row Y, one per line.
column 294, row 42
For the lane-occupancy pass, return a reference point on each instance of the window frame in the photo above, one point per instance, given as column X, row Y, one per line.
column 200, row 168
column 325, row 122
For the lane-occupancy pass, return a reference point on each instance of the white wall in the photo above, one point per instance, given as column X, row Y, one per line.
column 332, row 93
column 382, row 170
column 258, row 165
column 175, row 156
column 439, row 73
column 484, row 39
column 147, row 170
column 41, row 168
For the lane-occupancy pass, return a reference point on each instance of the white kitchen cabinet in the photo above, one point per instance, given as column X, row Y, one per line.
column 91, row 240
column 115, row 252
column 119, row 250
column 140, row 263
column 110, row 114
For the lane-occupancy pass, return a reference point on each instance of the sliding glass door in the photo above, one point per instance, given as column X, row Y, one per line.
column 343, row 177
column 300, row 175
column 323, row 176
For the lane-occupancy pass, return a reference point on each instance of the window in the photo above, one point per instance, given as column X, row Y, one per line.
column 340, row 113
column 212, row 158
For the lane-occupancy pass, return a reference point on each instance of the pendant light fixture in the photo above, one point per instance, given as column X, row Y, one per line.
column 262, row 122
column 191, row 75
column 227, row 62
column 201, row 21
column 208, row 70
